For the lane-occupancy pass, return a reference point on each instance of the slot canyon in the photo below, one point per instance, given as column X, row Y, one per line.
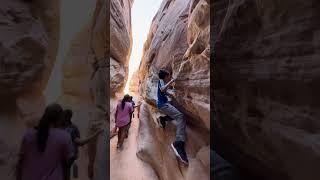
column 265, row 66
column 179, row 30
column 36, row 48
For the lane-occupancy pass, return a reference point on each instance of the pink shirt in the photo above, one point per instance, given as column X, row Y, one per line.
column 123, row 115
column 48, row 164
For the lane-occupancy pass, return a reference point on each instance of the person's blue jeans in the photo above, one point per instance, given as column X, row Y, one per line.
column 172, row 112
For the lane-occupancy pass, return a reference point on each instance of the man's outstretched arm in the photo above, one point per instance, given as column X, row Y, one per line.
column 84, row 141
column 165, row 87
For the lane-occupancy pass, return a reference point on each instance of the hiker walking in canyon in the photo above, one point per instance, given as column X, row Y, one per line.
column 45, row 148
column 131, row 115
column 74, row 133
column 122, row 118
column 165, row 107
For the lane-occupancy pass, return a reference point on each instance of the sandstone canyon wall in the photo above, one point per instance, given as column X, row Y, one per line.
column 86, row 76
column 28, row 45
column 120, row 50
column 121, row 43
column 134, row 83
column 266, row 86
column 179, row 33
column 77, row 80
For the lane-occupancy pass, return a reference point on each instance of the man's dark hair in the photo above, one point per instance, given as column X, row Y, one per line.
column 67, row 115
column 163, row 73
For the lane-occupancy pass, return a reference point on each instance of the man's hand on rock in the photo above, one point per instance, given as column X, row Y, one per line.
column 174, row 77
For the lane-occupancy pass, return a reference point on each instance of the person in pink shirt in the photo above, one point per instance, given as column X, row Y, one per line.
column 122, row 118
column 45, row 148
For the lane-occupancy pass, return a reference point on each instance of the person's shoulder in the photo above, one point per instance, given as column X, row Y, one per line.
column 60, row 133
column 30, row 133
column 73, row 126
column 128, row 104
column 161, row 82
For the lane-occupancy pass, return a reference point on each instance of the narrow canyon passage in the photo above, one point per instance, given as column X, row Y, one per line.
column 177, row 40
column 124, row 164
column 74, row 73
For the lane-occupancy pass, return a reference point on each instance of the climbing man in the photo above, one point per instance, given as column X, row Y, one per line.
column 165, row 107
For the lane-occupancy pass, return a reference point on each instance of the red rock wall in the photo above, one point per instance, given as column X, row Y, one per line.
column 179, row 33
column 121, row 43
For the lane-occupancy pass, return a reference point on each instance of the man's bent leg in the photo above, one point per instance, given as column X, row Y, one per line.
column 172, row 112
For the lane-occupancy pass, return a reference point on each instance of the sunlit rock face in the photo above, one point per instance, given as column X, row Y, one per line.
column 28, row 45
column 134, row 83
column 179, row 33
column 180, row 28
column 266, row 86
column 121, row 43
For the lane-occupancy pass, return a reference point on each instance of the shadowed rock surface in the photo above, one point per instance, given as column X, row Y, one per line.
column 85, row 84
column 28, row 46
column 266, row 87
column 29, row 43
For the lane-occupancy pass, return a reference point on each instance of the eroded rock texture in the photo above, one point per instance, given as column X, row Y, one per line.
column 134, row 83
column 121, row 43
column 120, row 50
column 154, row 148
column 266, row 86
column 86, row 84
column 28, row 45
column 179, row 34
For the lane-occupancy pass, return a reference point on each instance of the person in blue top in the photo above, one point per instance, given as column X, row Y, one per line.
column 165, row 107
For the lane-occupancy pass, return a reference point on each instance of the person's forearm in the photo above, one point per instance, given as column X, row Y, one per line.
column 165, row 87
column 85, row 141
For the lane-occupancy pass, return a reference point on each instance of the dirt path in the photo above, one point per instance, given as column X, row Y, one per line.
column 124, row 164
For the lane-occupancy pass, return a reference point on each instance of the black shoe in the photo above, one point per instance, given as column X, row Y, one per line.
column 168, row 118
column 162, row 122
column 178, row 148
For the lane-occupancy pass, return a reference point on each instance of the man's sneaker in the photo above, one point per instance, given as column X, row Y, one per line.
column 162, row 122
column 178, row 148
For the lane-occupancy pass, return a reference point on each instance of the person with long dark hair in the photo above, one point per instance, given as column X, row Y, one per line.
column 45, row 148
column 122, row 118
column 131, row 115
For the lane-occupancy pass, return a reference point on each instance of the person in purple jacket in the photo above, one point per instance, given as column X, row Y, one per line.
column 45, row 148
column 122, row 118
